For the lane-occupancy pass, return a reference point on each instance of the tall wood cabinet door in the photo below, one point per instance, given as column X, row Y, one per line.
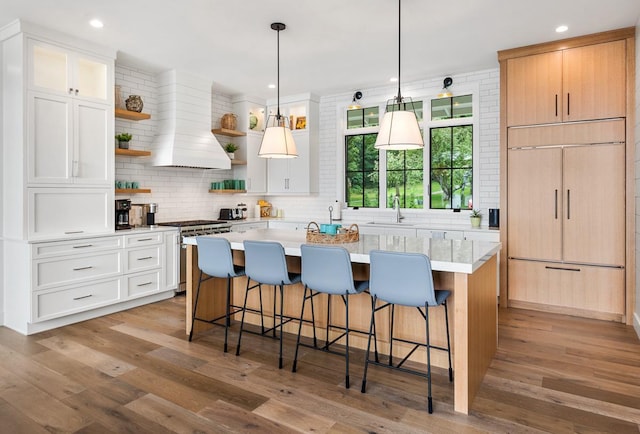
column 50, row 141
column 594, row 85
column 535, row 203
column 534, row 89
column 594, row 211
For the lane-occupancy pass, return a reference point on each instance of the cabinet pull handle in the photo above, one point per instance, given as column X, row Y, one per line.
column 568, row 103
column 73, row 232
column 83, row 268
column 561, row 268
column 568, row 204
column 145, row 239
column 83, row 296
column 145, row 258
column 556, row 199
column 145, row 284
column 556, row 104
column 83, row 246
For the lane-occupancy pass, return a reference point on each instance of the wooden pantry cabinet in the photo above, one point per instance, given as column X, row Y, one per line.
column 574, row 84
column 567, row 176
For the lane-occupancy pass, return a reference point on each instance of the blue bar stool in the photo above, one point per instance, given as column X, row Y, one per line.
column 327, row 270
column 265, row 264
column 215, row 260
column 405, row 279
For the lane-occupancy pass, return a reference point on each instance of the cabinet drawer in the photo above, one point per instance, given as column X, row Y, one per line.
column 494, row 236
column 587, row 288
column 143, row 259
column 60, row 302
column 143, row 284
column 80, row 247
column 143, row 239
column 67, row 270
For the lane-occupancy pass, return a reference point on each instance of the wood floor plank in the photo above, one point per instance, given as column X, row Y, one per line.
column 228, row 418
column 13, row 421
column 294, row 417
column 104, row 363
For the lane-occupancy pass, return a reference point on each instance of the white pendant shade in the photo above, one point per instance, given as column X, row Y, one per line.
column 399, row 130
column 277, row 142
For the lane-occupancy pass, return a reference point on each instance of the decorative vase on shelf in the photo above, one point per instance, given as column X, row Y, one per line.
column 231, row 155
column 253, row 121
column 229, row 121
column 118, row 97
column 122, row 144
column 134, row 103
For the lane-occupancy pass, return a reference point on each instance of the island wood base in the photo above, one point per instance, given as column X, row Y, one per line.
column 473, row 317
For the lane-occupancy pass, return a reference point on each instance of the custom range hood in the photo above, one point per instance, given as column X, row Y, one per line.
column 184, row 137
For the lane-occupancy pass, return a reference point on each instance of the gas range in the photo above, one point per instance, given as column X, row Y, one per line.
column 193, row 228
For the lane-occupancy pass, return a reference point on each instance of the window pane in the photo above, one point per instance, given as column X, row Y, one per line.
column 461, row 192
column 440, row 147
column 355, row 189
column 440, row 109
column 462, row 107
column 462, row 146
column 414, row 159
column 371, row 190
column 440, row 188
column 371, row 117
column 370, row 152
column 355, row 118
column 395, row 160
column 415, row 189
column 354, row 153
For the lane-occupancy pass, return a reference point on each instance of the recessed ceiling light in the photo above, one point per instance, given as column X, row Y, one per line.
column 393, row 79
column 562, row 29
column 272, row 86
column 96, row 23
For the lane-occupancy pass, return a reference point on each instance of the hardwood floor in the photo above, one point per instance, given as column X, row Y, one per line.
column 136, row 372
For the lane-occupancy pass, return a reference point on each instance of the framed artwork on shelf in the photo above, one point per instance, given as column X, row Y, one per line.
column 301, row 123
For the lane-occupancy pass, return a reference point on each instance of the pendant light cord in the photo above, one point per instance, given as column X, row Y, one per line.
column 278, row 79
column 399, row 48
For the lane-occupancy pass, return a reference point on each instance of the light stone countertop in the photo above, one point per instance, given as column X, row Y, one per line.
column 458, row 256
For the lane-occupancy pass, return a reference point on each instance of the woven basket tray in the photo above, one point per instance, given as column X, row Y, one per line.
column 314, row 236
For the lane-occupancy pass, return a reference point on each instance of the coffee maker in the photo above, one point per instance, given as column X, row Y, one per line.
column 122, row 214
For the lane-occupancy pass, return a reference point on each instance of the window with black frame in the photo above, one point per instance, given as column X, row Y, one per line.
column 362, row 171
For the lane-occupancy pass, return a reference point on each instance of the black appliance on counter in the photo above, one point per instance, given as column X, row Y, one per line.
column 494, row 217
column 231, row 214
column 122, row 214
column 194, row 228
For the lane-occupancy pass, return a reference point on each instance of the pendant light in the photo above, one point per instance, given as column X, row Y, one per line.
column 277, row 141
column 399, row 128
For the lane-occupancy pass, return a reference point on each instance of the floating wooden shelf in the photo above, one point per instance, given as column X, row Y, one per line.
column 132, row 190
column 132, row 116
column 132, row 152
column 235, row 162
column 227, row 191
column 226, row 132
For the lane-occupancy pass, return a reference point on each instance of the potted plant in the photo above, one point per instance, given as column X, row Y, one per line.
column 230, row 148
column 475, row 216
column 123, row 140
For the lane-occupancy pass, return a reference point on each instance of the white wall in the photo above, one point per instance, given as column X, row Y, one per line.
column 636, row 316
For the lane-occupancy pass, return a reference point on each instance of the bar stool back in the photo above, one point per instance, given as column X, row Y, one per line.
column 327, row 269
column 405, row 279
column 215, row 260
column 265, row 264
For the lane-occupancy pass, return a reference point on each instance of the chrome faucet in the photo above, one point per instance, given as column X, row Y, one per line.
column 396, row 207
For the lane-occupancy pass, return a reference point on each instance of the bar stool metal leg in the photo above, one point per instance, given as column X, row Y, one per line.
column 426, row 321
column 195, row 307
column 446, row 318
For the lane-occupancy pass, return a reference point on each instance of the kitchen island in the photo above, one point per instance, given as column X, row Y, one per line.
column 467, row 268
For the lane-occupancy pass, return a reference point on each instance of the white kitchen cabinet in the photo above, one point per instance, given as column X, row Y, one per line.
column 69, row 141
column 250, row 112
column 294, row 226
column 60, row 212
column 171, row 260
column 297, row 175
column 441, row 234
column 65, row 71
column 491, row 235
column 245, row 226
column 381, row 229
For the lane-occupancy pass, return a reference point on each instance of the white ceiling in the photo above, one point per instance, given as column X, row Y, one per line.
column 329, row 46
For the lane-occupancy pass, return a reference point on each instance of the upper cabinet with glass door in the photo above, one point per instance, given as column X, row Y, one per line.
column 54, row 69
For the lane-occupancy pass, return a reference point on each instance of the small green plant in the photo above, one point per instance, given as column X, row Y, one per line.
column 230, row 147
column 123, row 137
column 475, row 213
